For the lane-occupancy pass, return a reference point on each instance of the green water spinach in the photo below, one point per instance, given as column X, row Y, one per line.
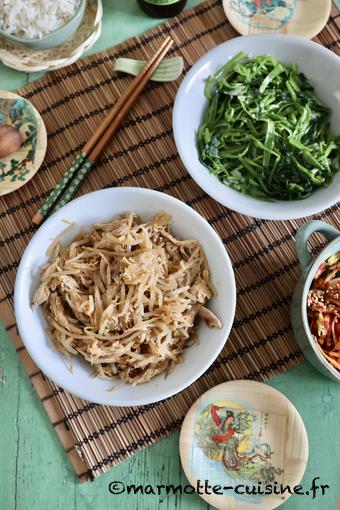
column 265, row 133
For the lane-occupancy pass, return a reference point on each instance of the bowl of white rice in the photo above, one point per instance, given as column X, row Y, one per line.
column 40, row 24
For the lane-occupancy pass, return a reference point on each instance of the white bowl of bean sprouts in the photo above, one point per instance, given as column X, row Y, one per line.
column 131, row 311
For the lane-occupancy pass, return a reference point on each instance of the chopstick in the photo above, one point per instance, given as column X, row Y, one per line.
column 83, row 163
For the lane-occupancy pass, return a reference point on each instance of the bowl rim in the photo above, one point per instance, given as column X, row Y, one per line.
column 248, row 209
column 181, row 385
column 46, row 37
column 306, row 287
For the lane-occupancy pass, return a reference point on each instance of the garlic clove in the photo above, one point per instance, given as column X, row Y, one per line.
column 10, row 140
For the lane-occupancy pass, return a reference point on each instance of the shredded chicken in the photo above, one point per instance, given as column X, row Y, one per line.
column 126, row 296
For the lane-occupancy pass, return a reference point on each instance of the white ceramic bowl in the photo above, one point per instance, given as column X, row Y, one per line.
column 322, row 68
column 102, row 206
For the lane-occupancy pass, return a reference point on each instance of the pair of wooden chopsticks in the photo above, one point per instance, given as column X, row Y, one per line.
column 83, row 163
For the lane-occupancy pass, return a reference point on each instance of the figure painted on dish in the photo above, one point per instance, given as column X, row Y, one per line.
column 268, row 14
column 227, row 435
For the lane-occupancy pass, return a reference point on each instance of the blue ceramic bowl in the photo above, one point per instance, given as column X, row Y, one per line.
column 309, row 267
column 53, row 39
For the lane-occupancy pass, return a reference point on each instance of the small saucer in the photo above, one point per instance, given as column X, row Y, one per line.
column 30, row 60
column 243, row 434
column 18, row 168
column 295, row 17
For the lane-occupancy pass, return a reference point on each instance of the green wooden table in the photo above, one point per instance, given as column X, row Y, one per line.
column 35, row 473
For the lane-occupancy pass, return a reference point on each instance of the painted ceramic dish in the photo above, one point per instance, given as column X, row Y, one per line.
column 305, row 18
column 243, row 434
column 309, row 267
column 19, row 167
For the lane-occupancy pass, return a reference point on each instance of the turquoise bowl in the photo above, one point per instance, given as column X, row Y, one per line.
column 53, row 39
column 309, row 267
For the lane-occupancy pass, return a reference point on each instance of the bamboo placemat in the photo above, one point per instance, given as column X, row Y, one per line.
column 72, row 101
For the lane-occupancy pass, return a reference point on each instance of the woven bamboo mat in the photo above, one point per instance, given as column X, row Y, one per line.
column 72, row 102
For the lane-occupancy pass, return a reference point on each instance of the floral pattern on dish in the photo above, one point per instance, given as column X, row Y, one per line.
column 19, row 114
column 19, row 167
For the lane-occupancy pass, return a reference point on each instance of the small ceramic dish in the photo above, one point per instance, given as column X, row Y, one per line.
column 243, row 434
column 313, row 60
column 309, row 266
column 30, row 60
column 304, row 18
column 103, row 206
column 18, row 168
column 54, row 38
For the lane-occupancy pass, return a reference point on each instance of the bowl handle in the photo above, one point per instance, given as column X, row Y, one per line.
column 302, row 236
